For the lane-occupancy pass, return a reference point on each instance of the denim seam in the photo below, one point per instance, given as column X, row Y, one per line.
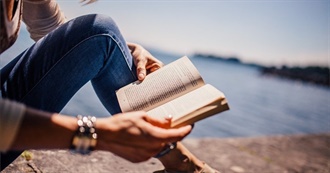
column 69, row 51
column 122, row 52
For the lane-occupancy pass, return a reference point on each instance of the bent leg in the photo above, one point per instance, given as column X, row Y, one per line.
column 50, row 72
column 87, row 48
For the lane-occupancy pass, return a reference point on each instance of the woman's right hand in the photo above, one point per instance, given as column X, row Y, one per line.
column 136, row 136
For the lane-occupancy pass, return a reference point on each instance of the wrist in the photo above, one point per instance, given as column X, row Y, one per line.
column 44, row 130
column 105, row 133
column 167, row 149
column 68, row 126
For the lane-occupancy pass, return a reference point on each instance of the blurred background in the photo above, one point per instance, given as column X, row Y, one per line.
column 240, row 47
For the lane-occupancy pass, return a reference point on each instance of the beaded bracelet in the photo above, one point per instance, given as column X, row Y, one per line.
column 85, row 138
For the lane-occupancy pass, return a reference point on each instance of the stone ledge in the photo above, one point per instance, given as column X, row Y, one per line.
column 274, row 154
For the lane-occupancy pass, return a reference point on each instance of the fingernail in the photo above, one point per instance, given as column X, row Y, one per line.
column 169, row 117
column 141, row 76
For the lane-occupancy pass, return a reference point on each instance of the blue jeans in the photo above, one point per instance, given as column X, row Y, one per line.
column 49, row 73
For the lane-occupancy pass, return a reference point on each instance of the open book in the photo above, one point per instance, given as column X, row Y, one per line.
column 176, row 89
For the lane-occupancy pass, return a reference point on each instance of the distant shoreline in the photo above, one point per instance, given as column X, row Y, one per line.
column 316, row 75
column 310, row 74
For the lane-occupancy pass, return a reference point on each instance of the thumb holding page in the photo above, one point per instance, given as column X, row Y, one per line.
column 160, row 122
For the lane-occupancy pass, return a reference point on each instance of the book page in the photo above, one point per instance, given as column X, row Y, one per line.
column 193, row 106
column 161, row 86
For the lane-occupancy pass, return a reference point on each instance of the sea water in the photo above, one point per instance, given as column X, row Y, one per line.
column 259, row 105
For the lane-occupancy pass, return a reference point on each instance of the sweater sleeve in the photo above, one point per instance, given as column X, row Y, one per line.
column 11, row 115
column 41, row 17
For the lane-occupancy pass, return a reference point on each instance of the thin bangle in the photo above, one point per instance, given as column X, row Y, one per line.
column 168, row 147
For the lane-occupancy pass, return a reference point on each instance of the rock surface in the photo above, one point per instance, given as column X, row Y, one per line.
column 274, row 154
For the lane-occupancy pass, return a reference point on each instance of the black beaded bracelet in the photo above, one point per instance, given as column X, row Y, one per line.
column 85, row 138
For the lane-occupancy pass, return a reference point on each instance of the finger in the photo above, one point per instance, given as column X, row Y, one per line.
column 153, row 67
column 155, row 60
column 168, row 135
column 164, row 122
column 141, row 68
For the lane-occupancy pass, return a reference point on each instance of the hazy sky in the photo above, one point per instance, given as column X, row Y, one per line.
column 269, row 32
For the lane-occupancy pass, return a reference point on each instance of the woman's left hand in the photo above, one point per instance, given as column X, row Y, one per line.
column 144, row 61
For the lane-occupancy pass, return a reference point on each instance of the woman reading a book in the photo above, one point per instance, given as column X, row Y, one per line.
column 42, row 79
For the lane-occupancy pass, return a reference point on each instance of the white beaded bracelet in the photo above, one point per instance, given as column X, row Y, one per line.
column 85, row 138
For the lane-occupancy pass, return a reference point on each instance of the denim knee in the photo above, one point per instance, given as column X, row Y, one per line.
column 101, row 24
column 105, row 25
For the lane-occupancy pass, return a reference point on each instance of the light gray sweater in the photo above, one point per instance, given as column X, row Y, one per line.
column 41, row 17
